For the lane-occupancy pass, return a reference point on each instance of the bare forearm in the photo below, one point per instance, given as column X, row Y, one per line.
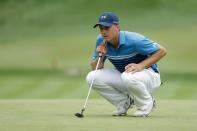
column 154, row 58
column 93, row 64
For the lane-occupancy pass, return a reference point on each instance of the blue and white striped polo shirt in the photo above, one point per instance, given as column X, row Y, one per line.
column 132, row 48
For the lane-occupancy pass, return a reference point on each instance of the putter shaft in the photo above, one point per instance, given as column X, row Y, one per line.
column 99, row 59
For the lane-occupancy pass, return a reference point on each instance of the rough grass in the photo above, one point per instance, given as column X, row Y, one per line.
column 47, row 34
column 75, row 51
column 50, row 115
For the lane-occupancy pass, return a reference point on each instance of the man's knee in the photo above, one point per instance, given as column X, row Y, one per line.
column 130, row 80
column 91, row 77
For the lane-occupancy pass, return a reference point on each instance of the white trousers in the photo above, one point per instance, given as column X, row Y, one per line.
column 115, row 86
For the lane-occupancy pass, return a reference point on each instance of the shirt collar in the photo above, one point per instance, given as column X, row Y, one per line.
column 121, row 38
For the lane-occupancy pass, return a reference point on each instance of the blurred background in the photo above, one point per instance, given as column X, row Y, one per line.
column 46, row 45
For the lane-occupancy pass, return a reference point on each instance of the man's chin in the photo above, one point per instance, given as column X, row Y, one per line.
column 106, row 39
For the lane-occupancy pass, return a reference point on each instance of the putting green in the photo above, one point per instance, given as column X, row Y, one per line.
column 51, row 115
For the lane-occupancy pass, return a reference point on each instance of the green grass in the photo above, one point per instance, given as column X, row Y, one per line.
column 69, row 84
column 39, row 84
column 45, row 49
column 50, row 115
column 75, row 51
column 41, row 35
column 52, row 35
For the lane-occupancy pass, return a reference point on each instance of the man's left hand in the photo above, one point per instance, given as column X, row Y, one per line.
column 132, row 68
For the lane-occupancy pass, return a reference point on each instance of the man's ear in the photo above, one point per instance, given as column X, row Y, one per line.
column 118, row 27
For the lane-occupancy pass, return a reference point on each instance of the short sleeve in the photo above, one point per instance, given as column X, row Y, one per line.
column 146, row 46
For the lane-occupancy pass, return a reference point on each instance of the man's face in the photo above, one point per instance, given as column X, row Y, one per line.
column 109, row 33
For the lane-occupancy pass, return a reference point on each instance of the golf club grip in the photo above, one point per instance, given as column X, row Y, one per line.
column 100, row 54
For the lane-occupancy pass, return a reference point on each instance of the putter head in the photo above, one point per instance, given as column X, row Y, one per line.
column 80, row 115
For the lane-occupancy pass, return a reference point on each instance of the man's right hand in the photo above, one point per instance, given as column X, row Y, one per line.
column 101, row 49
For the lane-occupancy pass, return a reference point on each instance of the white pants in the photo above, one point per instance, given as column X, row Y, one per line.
column 115, row 86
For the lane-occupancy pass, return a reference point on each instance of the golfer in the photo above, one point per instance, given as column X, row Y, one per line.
column 135, row 74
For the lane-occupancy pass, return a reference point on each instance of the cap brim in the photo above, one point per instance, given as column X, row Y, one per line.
column 103, row 24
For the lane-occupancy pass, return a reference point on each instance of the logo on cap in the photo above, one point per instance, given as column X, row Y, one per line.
column 103, row 17
column 107, row 19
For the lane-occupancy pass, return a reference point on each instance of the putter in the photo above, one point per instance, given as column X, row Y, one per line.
column 80, row 115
